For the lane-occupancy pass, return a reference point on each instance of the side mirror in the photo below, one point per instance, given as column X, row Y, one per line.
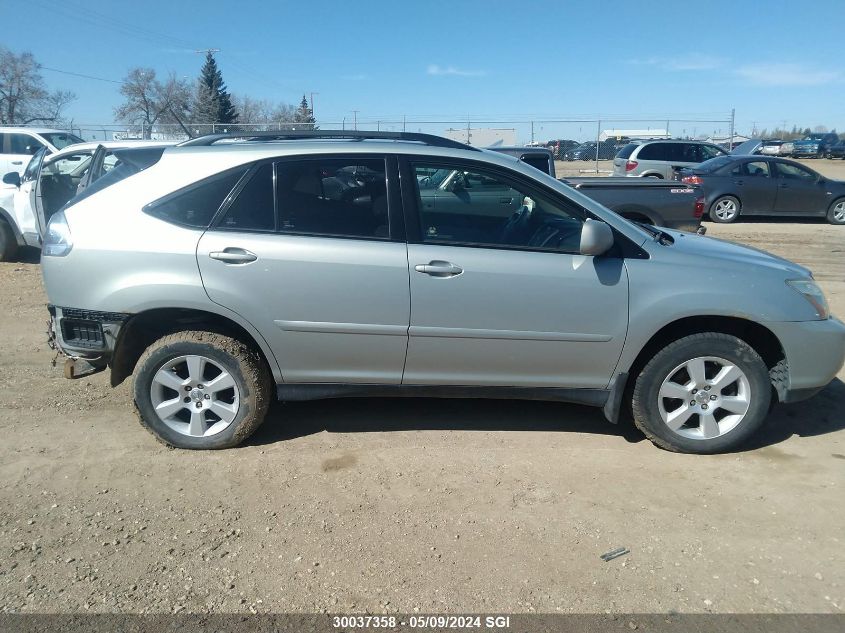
column 12, row 178
column 596, row 238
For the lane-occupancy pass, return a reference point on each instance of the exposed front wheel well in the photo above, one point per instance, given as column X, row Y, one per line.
column 764, row 342
column 142, row 329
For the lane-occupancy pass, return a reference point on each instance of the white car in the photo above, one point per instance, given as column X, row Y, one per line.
column 62, row 175
column 18, row 144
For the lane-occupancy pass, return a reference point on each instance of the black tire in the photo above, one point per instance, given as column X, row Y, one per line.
column 243, row 363
column 727, row 220
column 831, row 213
column 644, row 403
column 8, row 243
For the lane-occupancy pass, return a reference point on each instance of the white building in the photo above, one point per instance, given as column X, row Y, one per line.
column 634, row 134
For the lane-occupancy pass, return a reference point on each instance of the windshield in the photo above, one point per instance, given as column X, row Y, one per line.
column 60, row 140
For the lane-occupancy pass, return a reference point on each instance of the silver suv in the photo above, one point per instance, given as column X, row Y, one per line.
column 326, row 264
column 662, row 159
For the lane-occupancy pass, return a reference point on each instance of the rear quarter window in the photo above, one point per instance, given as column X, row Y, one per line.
column 195, row 205
column 626, row 151
column 539, row 161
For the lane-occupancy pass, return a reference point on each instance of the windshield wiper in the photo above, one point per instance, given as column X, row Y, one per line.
column 659, row 236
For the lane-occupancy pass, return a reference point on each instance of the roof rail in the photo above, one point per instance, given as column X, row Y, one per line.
column 358, row 135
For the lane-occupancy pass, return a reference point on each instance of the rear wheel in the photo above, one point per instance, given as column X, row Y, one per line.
column 704, row 393
column 201, row 390
column 8, row 243
column 836, row 213
column 725, row 210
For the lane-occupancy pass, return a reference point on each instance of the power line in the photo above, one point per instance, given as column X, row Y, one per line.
column 67, row 72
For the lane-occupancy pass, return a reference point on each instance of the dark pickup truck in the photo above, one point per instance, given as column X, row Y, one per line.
column 651, row 201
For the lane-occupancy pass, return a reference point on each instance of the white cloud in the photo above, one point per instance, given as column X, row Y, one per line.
column 786, row 75
column 434, row 69
column 689, row 62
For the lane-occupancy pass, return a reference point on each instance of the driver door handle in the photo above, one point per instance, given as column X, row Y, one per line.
column 438, row 268
column 233, row 256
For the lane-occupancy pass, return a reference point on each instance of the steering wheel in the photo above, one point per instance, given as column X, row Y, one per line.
column 518, row 224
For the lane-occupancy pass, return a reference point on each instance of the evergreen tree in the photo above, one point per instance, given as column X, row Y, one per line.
column 213, row 103
column 304, row 116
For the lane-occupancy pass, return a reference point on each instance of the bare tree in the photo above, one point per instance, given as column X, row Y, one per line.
column 263, row 114
column 148, row 101
column 23, row 96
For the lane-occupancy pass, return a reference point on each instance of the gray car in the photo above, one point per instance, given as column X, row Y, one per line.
column 327, row 264
column 662, row 159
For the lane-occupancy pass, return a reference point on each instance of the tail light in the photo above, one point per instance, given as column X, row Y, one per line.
column 699, row 207
column 692, row 180
column 631, row 165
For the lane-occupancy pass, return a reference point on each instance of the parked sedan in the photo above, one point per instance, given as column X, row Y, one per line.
column 763, row 185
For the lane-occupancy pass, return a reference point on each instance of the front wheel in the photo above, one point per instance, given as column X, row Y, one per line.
column 704, row 393
column 201, row 390
column 836, row 213
column 725, row 210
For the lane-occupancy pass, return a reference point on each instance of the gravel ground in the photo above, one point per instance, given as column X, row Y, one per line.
column 403, row 505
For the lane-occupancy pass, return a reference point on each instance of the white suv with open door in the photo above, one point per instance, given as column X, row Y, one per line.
column 62, row 176
column 18, row 144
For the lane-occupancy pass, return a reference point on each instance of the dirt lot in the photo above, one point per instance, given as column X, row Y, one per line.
column 406, row 505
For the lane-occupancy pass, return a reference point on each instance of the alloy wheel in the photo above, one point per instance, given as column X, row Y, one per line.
column 195, row 396
column 839, row 211
column 725, row 209
column 704, row 398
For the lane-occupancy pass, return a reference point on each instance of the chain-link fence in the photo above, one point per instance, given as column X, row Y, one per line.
column 574, row 139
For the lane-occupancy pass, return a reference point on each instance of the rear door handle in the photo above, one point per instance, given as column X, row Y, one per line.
column 232, row 255
column 17, row 162
column 739, row 182
column 438, row 268
column 505, row 200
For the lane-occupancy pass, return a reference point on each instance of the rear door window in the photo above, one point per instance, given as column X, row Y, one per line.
column 253, row 208
column 755, row 169
column 335, row 197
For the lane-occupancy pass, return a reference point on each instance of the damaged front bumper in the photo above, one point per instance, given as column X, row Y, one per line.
column 85, row 337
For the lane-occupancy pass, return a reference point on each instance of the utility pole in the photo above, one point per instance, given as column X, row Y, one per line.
column 733, row 118
column 312, row 102
column 355, row 119
column 207, row 51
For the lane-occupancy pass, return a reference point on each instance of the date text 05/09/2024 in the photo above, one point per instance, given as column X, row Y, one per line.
column 352, row 622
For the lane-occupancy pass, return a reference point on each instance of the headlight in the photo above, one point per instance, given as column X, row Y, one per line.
column 812, row 293
column 57, row 242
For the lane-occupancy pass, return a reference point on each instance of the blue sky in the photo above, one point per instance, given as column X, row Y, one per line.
column 444, row 60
